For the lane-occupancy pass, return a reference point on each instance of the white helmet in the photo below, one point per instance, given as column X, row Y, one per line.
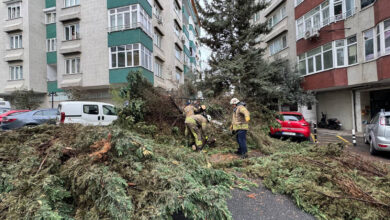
column 208, row 118
column 234, row 101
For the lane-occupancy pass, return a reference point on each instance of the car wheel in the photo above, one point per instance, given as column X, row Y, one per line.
column 373, row 151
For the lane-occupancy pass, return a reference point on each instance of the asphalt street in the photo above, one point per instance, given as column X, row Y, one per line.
column 261, row 204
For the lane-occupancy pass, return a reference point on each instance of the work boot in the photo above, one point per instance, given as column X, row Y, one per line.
column 238, row 152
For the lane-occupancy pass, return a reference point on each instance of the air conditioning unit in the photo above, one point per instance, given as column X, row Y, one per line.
column 311, row 34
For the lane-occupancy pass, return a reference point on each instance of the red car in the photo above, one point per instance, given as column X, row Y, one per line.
column 293, row 124
column 10, row 113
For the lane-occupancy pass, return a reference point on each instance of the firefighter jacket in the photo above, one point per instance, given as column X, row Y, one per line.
column 198, row 120
column 241, row 117
column 189, row 110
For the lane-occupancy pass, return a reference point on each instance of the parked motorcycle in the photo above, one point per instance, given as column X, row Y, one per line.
column 331, row 123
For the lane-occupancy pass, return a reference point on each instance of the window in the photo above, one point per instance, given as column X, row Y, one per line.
column 177, row 52
column 386, row 25
column 157, row 10
column 277, row 17
column 72, row 32
column 340, row 52
column 352, row 50
column 129, row 17
column 256, row 17
column 16, row 72
column 278, row 45
column 365, row 3
column 177, row 29
column 14, row 11
column 50, row 17
column 16, row 41
column 130, row 56
column 91, row 109
column 51, row 45
column 177, row 7
column 72, row 66
column 324, row 14
column 178, row 75
column 70, row 3
column 335, row 54
column 157, row 68
column 157, row 38
column 369, row 44
column 108, row 110
column 298, row 2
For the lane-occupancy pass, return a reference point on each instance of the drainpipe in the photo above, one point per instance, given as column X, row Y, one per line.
column 354, row 110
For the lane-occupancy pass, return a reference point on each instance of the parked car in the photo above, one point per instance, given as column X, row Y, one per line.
column 5, row 106
column 292, row 125
column 86, row 113
column 31, row 118
column 11, row 113
column 377, row 133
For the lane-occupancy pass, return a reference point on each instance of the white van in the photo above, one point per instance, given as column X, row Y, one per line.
column 86, row 113
column 5, row 106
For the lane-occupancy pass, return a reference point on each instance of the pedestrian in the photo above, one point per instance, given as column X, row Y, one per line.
column 240, row 125
column 198, row 126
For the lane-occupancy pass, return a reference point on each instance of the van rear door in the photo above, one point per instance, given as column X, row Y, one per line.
column 109, row 114
column 91, row 114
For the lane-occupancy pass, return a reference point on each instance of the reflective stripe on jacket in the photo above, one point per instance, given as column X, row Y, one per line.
column 239, row 121
column 198, row 120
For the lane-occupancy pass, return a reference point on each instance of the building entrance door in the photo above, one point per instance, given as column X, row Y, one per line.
column 379, row 100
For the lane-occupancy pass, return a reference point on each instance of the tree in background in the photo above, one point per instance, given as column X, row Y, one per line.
column 237, row 62
column 25, row 99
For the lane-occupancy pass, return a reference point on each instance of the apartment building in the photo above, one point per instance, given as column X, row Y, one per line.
column 22, row 37
column 91, row 47
column 343, row 49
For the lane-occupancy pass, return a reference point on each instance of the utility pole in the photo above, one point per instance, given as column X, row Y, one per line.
column 52, row 94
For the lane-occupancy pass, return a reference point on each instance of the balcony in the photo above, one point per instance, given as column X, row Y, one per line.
column 13, row 25
column 70, row 14
column 71, row 80
column 14, row 55
column 15, row 85
column 159, row 53
column 278, row 29
column 129, row 27
column 71, row 46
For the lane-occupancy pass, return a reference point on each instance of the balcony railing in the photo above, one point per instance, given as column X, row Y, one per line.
column 129, row 27
column 328, row 21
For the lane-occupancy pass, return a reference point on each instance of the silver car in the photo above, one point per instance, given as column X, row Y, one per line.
column 377, row 133
column 32, row 118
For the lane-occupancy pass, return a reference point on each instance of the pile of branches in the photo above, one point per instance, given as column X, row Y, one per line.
column 327, row 181
column 76, row 172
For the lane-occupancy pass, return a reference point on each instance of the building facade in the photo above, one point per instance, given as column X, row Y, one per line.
column 341, row 48
column 91, row 48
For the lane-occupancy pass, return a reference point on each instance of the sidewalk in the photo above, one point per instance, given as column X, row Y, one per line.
column 340, row 133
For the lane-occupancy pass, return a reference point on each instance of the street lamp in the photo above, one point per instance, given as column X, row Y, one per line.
column 52, row 94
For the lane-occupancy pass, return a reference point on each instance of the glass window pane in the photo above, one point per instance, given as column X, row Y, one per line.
column 352, row 54
column 73, row 65
column 328, row 59
column 340, row 57
column 387, row 24
column 121, row 59
column 387, row 41
column 136, row 58
column 318, row 63
column 302, row 67
column 369, row 49
column 310, row 63
column 113, row 60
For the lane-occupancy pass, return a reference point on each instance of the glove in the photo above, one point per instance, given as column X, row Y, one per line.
column 247, row 119
column 234, row 132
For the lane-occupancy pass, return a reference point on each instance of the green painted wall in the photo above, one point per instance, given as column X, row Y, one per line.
column 120, row 75
column 185, row 13
column 193, row 60
column 51, row 57
column 186, row 31
column 119, row 3
column 192, row 44
column 186, row 69
column 130, row 37
column 187, row 51
column 50, row 3
column 51, row 31
column 52, row 86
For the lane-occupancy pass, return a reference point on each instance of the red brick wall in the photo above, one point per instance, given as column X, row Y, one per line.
column 334, row 31
column 327, row 79
column 383, row 66
column 382, row 10
column 305, row 7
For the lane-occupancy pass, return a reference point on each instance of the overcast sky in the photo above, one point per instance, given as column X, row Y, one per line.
column 205, row 51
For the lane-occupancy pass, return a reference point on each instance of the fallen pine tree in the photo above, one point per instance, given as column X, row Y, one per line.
column 75, row 172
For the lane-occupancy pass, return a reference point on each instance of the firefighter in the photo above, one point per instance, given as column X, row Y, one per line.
column 198, row 126
column 240, row 125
